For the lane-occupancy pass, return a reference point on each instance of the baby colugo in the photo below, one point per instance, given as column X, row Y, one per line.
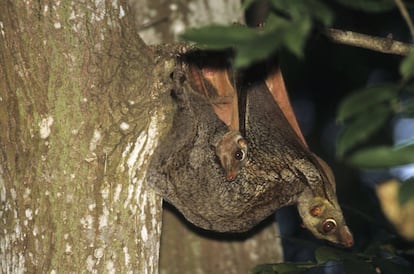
column 232, row 152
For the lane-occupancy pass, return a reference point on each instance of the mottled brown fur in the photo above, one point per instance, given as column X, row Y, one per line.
column 279, row 170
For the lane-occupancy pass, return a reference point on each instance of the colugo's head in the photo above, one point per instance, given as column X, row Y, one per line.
column 232, row 151
column 324, row 219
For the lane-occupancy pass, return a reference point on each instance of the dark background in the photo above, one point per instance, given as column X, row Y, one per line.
column 317, row 84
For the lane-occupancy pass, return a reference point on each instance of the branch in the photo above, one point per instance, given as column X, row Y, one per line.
column 384, row 45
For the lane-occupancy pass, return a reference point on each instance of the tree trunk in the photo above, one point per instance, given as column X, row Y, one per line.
column 80, row 114
column 186, row 249
column 83, row 103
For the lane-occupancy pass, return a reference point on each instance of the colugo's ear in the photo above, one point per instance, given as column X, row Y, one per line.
column 277, row 87
column 242, row 142
column 327, row 170
column 316, row 211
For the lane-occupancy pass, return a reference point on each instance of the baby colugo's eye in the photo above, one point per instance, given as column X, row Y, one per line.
column 328, row 225
column 239, row 155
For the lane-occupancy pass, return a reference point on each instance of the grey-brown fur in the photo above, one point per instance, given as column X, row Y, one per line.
column 278, row 171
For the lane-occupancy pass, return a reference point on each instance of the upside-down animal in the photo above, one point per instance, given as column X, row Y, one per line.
column 279, row 169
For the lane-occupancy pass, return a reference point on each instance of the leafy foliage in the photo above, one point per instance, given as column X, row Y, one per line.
column 370, row 261
column 383, row 156
column 365, row 98
column 366, row 111
column 369, row 120
column 288, row 27
column 407, row 66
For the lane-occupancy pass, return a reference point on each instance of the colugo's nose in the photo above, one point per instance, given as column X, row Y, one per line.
column 231, row 175
column 346, row 237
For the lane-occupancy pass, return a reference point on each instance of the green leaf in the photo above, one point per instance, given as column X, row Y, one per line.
column 382, row 157
column 324, row 254
column 295, row 38
column 278, row 32
column 362, row 99
column 320, row 11
column 407, row 66
column 263, row 269
column 406, row 191
column 220, row 37
column 251, row 45
column 258, row 49
column 369, row 5
column 362, row 127
column 291, row 34
column 283, row 268
column 298, row 9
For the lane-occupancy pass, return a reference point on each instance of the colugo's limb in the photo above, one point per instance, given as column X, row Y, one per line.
column 276, row 85
column 232, row 152
column 213, row 79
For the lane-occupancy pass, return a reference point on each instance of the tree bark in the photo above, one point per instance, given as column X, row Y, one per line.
column 186, row 249
column 82, row 104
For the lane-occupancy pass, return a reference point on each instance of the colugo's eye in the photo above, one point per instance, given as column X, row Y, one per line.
column 328, row 225
column 239, row 155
